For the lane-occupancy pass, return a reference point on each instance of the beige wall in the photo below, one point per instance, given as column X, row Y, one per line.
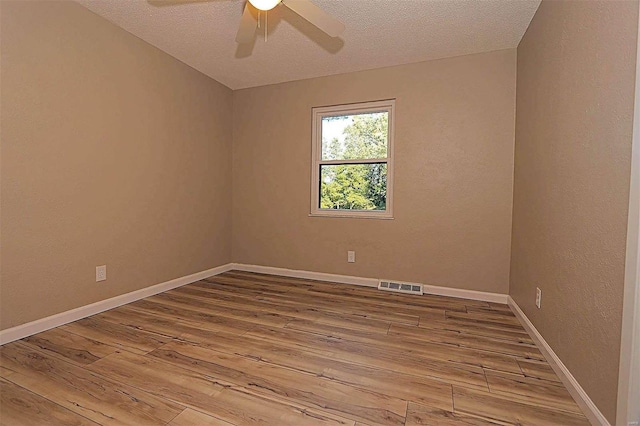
column 575, row 86
column 112, row 153
column 453, row 175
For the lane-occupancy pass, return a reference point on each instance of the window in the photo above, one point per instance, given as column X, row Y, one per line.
column 352, row 160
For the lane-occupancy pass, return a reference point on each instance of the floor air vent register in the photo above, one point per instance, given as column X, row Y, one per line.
column 399, row 287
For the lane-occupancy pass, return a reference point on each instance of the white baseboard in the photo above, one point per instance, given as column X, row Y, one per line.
column 370, row 282
column 577, row 392
column 38, row 326
column 295, row 273
column 482, row 296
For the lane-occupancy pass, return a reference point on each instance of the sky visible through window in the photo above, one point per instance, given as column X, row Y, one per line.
column 333, row 127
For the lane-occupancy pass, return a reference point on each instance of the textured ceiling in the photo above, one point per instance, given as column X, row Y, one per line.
column 379, row 33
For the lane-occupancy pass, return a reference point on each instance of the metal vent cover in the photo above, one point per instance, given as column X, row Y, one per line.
column 400, row 287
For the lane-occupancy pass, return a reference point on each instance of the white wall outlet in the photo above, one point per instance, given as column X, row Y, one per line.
column 538, row 297
column 101, row 273
column 351, row 256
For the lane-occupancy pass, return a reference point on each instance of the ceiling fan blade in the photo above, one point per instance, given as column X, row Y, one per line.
column 316, row 16
column 247, row 28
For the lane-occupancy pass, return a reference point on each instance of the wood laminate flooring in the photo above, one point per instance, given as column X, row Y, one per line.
column 252, row 349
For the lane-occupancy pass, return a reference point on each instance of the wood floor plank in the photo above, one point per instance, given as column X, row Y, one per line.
column 464, row 339
column 433, row 351
column 537, row 370
column 290, row 284
column 358, row 353
column 257, row 317
column 383, row 311
column 4, row 371
column 338, row 331
column 360, row 322
column 298, row 298
column 286, row 384
column 205, row 393
column 352, row 293
column 541, row 393
column 374, row 294
column 285, row 284
column 155, row 322
column 386, row 309
column 319, row 310
column 70, row 347
column 243, row 288
column 79, row 390
column 20, row 407
column 191, row 417
column 393, row 383
column 256, row 347
column 418, row 415
column 258, row 283
column 479, row 329
column 323, row 363
column 489, row 319
column 504, row 310
column 219, row 299
column 425, row 301
column 117, row 335
column 499, row 306
column 209, row 321
column 236, row 404
column 502, row 410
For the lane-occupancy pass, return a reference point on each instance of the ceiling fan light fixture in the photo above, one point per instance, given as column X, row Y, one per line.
column 264, row 5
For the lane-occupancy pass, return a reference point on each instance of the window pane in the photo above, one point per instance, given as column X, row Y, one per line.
column 355, row 137
column 353, row 186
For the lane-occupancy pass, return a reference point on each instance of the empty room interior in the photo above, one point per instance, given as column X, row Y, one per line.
column 319, row 212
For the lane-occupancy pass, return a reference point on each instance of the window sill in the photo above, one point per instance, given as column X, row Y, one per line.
column 352, row 215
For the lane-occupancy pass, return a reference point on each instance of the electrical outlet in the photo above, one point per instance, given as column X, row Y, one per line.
column 101, row 273
column 538, row 297
column 351, row 256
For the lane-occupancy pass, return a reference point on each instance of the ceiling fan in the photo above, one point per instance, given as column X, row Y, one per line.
column 304, row 8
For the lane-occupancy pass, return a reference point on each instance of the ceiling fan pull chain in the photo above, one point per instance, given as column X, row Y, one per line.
column 258, row 18
column 266, row 15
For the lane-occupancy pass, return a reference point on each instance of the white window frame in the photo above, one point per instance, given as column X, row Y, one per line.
column 318, row 114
